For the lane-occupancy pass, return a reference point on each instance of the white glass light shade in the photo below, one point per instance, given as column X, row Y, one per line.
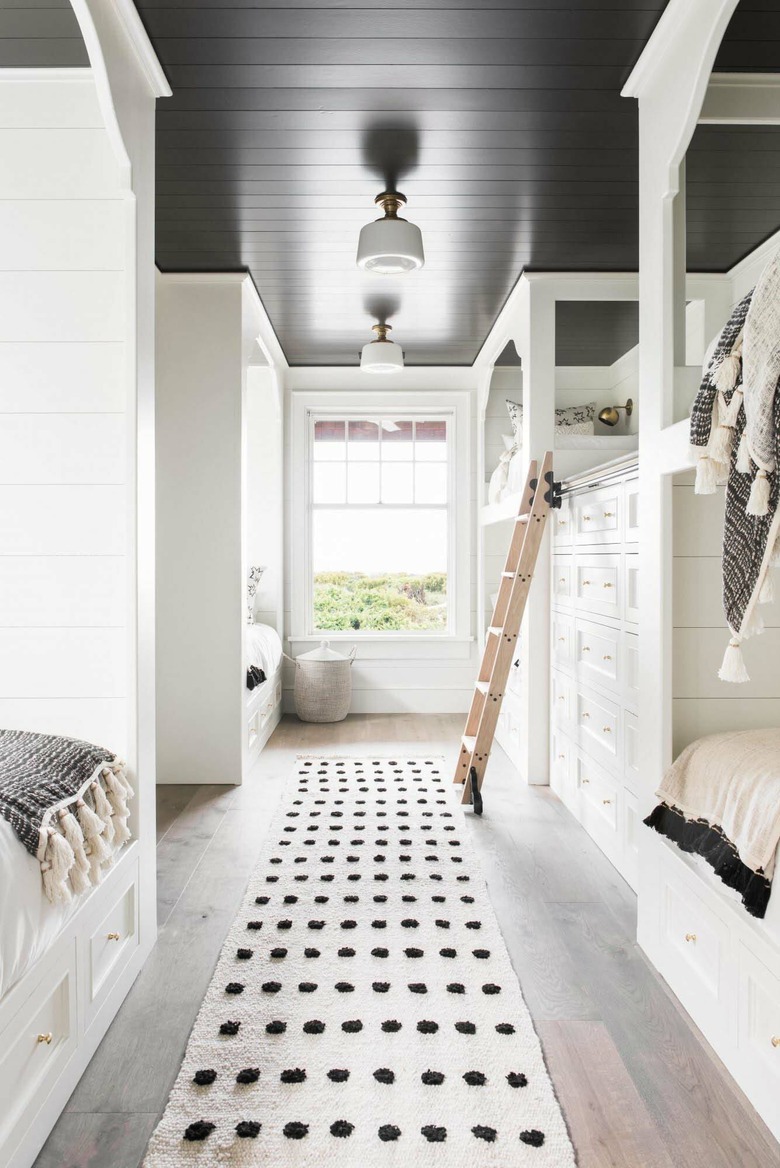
column 390, row 246
column 381, row 357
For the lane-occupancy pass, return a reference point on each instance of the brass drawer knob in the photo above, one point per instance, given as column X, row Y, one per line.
column 690, row 936
column 561, row 638
column 586, row 518
column 607, row 657
column 561, row 756
column 585, row 782
column 586, row 648
column 586, row 714
column 609, row 514
column 606, row 729
column 606, row 802
column 586, row 583
column 112, row 936
column 47, row 1038
column 606, row 584
column 775, row 1040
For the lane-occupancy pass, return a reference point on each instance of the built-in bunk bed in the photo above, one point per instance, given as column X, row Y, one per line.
column 77, row 789
column 709, row 750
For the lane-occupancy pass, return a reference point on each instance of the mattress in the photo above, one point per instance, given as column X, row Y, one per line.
column 29, row 922
column 263, row 648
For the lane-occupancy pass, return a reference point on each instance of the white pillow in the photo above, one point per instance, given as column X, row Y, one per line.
column 574, row 419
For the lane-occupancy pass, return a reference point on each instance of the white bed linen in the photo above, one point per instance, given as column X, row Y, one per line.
column 28, row 921
column 769, row 925
column 263, row 648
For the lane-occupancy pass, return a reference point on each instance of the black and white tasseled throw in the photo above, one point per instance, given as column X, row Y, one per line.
column 364, row 1012
column 66, row 801
column 752, row 518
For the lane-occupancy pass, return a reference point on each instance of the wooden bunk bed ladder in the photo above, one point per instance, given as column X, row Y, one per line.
column 540, row 494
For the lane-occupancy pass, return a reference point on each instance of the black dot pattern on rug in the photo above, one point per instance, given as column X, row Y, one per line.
column 533, row 1137
column 485, row 1133
column 200, row 1130
column 248, row 1129
column 388, row 823
column 295, row 1130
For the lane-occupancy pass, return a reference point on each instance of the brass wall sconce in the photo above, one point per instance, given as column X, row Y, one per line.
column 610, row 415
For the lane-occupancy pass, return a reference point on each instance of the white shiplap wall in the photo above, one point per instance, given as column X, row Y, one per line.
column 63, row 430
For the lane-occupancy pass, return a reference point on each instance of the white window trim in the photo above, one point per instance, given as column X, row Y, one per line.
column 457, row 407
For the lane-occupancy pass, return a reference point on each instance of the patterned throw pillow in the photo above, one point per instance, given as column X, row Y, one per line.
column 573, row 419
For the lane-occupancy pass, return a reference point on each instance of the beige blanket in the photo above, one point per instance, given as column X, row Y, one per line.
column 733, row 781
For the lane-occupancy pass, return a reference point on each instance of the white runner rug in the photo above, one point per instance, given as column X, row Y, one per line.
column 364, row 1012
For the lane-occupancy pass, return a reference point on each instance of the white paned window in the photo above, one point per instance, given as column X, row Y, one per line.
column 379, row 524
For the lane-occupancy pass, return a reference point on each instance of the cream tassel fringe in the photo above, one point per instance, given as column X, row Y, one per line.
column 754, row 625
column 731, row 411
column 92, row 826
column 726, row 374
column 706, row 476
column 116, row 795
column 103, row 810
column 758, row 503
column 58, row 861
column 733, row 667
column 122, row 832
column 79, row 873
column 744, row 464
column 721, row 443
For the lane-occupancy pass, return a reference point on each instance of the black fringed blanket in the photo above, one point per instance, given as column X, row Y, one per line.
column 721, row 800
column 66, row 801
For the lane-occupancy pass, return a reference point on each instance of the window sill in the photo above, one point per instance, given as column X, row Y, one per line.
column 357, row 637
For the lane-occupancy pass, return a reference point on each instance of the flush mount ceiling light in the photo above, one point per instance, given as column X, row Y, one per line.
column 381, row 355
column 610, row 416
column 390, row 246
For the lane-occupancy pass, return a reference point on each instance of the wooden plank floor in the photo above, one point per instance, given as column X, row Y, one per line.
column 638, row 1085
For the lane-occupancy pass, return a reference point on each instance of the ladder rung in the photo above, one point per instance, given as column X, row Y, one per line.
column 483, row 686
column 469, row 743
column 522, row 519
column 508, row 575
column 496, row 630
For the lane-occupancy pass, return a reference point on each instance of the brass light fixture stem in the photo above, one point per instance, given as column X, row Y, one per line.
column 391, row 202
column 381, row 331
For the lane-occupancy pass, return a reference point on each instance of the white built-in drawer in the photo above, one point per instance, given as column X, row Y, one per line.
column 597, row 584
column 562, row 778
column 112, row 942
column 561, row 523
column 631, row 750
column 597, row 655
column 597, row 516
column 697, row 938
column 631, row 672
column 598, row 723
column 561, row 699
column 562, row 639
column 599, row 806
column 759, row 1026
column 631, row 588
column 631, row 511
column 37, row 1043
column 562, row 567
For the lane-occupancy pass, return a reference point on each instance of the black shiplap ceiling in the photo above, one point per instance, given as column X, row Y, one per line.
column 502, row 123
column 595, row 332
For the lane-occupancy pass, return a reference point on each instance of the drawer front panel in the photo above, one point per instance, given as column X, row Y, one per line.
column 597, row 654
column 597, row 584
column 631, row 750
column 561, row 523
column 561, row 699
column 759, row 1019
column 696, row 936
column 598, row 727
column 563, row 639
column 599, row 806
column 631, row 691
column 597, row 516
column 111, row 943
column 631, row 510
column 562, row 769
column 37, row 1044
column 562, row 580
column 631, row 588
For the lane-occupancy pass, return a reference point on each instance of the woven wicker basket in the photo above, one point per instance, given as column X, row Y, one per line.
column 323, row 685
